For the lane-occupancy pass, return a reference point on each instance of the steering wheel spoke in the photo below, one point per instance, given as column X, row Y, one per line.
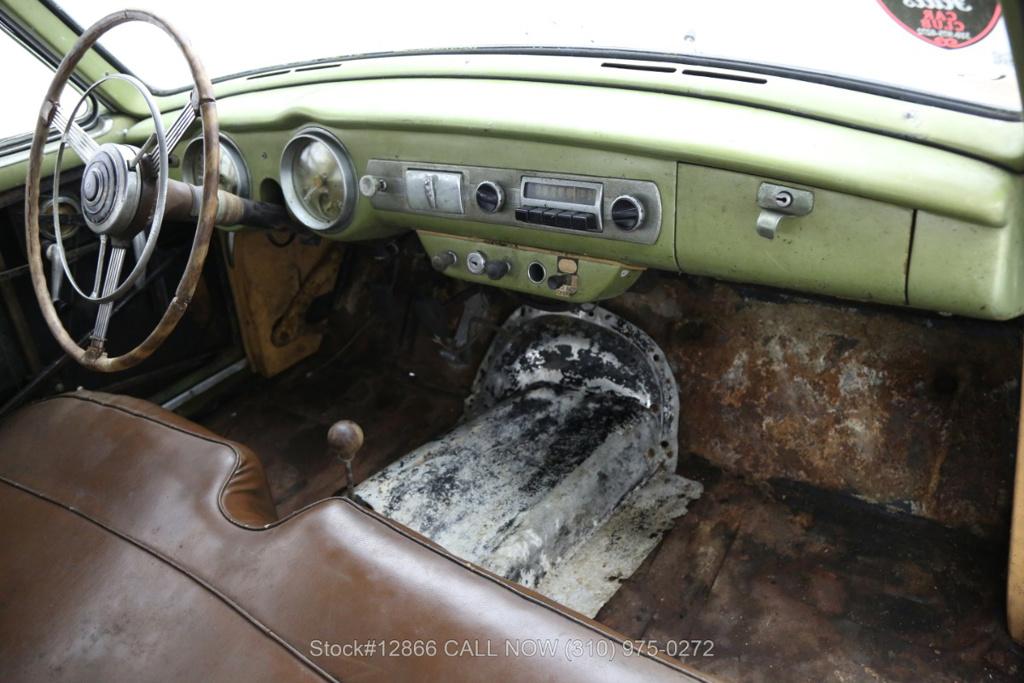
column 75, row 136
column 100, row 259
column 176, row 132
column 106, row 310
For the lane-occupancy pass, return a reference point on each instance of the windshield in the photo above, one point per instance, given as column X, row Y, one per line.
column 859, row 39
column 27, row 74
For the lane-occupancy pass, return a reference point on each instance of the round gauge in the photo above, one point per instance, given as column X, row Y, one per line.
column 318, row 180
column 234, row 174
column 70, row 217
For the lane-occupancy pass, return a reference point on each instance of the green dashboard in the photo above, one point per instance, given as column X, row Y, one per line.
column 723, row 189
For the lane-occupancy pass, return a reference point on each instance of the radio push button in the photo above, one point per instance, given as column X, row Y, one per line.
column 563, row 219
column 558, row 218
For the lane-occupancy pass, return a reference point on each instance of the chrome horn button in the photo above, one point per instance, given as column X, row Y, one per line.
column 111, row 190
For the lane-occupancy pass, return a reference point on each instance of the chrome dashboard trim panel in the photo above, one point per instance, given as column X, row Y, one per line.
column 396, row 197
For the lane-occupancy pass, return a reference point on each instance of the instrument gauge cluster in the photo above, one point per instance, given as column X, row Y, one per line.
column 318, row 180
column 234, row 173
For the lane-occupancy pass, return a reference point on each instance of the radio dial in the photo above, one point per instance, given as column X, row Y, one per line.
column 489, row 196
column 627, row 213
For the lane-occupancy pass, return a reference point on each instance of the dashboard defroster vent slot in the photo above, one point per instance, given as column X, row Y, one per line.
column 268, row 74
column 317, row 67
column 640, row 67
column 725, row 76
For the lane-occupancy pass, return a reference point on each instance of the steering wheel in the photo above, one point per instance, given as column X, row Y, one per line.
column 123, row 198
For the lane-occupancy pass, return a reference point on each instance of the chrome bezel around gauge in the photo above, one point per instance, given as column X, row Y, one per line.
column 227, row 147
column 68, row 229
column 348, row 179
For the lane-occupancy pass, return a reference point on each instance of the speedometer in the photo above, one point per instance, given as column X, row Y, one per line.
column 318, row 180
column 234, row 174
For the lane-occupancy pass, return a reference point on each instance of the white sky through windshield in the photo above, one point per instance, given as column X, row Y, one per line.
column 853, row 38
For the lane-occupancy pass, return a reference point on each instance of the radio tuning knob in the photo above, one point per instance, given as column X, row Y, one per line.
column 627, row 213
column 489, row 196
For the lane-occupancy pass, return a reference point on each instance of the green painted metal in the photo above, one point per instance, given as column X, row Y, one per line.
column 262, row 151
column 507, row 114
column 847, row 246
column 707, row 143
column 999, row 141
column 971, row 270
column 596, row 280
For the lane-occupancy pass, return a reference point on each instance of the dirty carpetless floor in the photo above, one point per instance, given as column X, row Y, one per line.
column 856, row 464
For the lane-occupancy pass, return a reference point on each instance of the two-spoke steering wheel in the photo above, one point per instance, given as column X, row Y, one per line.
column 123, row 196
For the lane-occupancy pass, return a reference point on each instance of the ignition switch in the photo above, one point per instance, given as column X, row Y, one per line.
column 477, row 264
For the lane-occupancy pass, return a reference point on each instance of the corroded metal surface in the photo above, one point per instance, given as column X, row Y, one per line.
column 792, row 583
column 912, row 411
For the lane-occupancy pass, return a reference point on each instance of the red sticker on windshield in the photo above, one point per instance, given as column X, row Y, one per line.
column 946, row 23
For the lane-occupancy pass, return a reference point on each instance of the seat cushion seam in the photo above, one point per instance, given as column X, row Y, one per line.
column 215, row 441
column 387, row 524
column 153, row 552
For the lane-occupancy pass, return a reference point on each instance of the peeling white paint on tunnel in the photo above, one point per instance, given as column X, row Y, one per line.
column 570, row 417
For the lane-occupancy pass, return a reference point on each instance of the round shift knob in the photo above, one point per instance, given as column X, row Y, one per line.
column 345, row 438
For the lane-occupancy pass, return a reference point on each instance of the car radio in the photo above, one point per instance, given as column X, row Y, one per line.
column 610, row 208
column 560, row 203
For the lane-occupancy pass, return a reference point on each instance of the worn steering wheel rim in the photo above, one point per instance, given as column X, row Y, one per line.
column 93, row 356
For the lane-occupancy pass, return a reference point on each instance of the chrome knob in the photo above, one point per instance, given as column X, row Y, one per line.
column 370, row 185
column 627, row 213
column 490, row 197
column 445, row 259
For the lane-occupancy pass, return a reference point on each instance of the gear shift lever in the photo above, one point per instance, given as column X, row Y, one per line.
column 344, row 439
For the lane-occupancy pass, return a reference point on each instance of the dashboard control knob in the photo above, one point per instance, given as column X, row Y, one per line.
column 370, row 185
column 476, row 262
column 496, row 270
column 627, row 213
column 558, row 281
column 444, row 260
column 490, row 197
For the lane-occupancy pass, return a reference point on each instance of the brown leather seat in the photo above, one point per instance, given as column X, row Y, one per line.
column 139, row 546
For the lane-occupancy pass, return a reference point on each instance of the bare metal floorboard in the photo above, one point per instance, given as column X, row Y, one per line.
column 796, row 584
